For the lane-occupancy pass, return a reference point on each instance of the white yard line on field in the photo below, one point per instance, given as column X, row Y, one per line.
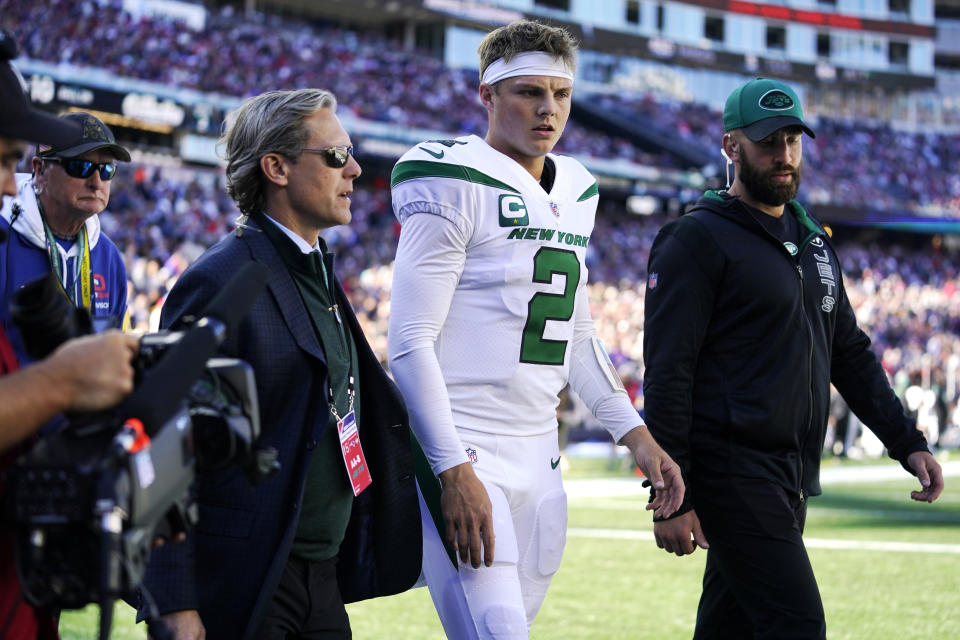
column 811, row 543
column 619, row 487
column 636, row 504
column 873, row 473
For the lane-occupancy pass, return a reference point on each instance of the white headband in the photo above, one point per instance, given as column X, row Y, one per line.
column 531, row 63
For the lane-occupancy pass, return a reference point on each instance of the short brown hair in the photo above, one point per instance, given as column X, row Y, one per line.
column 522, row 36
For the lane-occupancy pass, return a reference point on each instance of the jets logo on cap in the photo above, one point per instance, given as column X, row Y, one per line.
column 776, row 100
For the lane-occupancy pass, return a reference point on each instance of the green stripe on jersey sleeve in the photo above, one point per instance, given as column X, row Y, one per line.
column 591, row 191
column 410, row 169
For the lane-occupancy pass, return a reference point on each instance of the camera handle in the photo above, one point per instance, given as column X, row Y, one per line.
column 111, row 528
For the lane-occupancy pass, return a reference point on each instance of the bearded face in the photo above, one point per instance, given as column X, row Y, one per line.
column 773, row 187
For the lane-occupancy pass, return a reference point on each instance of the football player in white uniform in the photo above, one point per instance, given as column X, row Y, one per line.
column 489, row 321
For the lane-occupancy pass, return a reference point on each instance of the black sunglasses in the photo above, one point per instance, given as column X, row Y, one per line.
column 336, row 157
column 76, row 168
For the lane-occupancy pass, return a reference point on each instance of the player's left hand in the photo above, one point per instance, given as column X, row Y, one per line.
column 659, row 468
column 929, row 473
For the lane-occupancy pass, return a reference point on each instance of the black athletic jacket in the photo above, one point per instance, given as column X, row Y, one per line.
column 741, row 342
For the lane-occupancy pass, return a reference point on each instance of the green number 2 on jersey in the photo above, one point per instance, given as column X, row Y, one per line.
column 534, row 348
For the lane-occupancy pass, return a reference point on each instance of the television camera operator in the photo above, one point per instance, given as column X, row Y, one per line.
column 83, row 374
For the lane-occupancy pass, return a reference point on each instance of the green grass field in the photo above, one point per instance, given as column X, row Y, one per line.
column 615, row 584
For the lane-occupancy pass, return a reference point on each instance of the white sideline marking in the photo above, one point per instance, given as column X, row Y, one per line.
column 615, row 487
column 811, row 543
column 874, row 545
column 873, row 473
column 637, row 505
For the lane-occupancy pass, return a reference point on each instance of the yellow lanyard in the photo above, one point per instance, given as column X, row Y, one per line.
column 83, row 269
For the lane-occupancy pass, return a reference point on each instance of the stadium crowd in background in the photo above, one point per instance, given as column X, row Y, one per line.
column 162, row 217
column 852, row 165
column 234, row 56
column 906, row 298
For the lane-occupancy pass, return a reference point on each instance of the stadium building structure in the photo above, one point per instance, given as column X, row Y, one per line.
column 869, row 61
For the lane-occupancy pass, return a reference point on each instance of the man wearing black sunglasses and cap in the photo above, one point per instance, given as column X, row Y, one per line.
column 84, row 374
column 54, row 225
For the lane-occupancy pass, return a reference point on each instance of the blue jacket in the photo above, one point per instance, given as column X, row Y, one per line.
column 23, row 258
column 231, row 562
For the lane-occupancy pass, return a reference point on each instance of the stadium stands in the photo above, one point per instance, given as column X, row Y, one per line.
column 908, row 300
column 850, row 164
column 163, row 217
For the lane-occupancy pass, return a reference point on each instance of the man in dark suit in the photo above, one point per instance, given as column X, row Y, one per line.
column 340, row 520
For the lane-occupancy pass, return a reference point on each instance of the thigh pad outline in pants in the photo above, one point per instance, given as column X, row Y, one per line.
column 545, row 541
column 483, row 603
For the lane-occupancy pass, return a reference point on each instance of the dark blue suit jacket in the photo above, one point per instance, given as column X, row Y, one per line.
column 231, row 563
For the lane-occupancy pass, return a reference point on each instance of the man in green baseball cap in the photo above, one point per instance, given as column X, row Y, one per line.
column 763, row 124
column 762, row 106
column 746, row 326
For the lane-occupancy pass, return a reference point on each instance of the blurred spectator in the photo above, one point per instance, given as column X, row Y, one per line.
column 381, row 81
column 164, row 217
column 849, row 164
column 906, row 299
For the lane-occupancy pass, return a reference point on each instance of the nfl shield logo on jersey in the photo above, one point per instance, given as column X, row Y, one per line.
column 472, row 455
column 555, row 209
column 652, row 281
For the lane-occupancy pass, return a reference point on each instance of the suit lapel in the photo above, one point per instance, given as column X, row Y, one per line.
column 284, row 290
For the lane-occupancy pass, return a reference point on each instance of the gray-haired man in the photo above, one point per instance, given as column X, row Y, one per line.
column 339, row 522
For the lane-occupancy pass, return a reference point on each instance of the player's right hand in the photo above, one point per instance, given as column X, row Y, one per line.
column 681, row 535
column 185, row 625
column 468, row 515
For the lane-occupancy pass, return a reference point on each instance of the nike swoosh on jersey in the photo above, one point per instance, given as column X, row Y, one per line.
column 435, row 154
column 554, row 463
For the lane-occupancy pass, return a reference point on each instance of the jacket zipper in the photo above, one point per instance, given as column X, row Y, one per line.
column 803, row 439
column 806, row 320
column 803, row 309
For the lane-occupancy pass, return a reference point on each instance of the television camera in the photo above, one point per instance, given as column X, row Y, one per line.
column 90, row 500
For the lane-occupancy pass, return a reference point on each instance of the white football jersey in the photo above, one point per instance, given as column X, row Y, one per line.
column 504, row 346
